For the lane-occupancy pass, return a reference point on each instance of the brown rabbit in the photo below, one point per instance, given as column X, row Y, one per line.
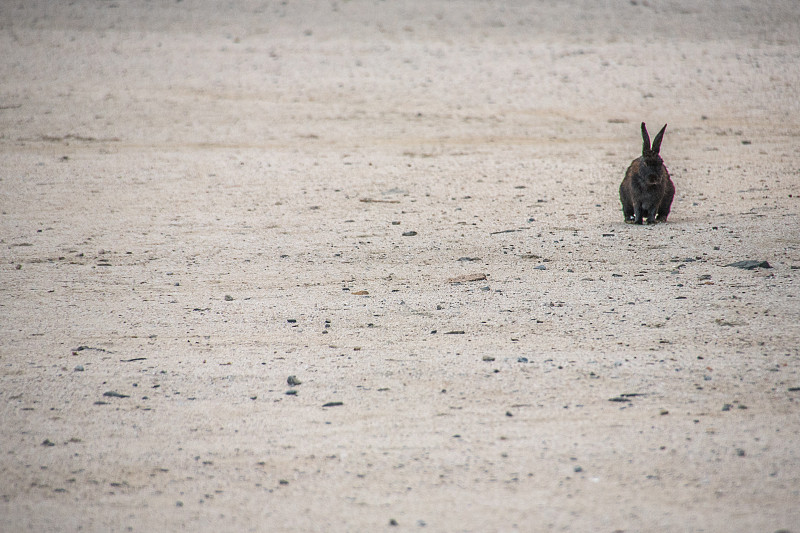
column 647, row 190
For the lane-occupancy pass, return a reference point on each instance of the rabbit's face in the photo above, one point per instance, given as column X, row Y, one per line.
column 651, row 169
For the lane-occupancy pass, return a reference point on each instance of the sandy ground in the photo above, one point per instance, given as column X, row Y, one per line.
column 199, row 201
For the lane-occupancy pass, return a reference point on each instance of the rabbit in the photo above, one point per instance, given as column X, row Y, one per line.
column 647, row 190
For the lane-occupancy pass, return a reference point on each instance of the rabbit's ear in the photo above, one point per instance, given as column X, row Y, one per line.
column 645, row 139
column 657, row 140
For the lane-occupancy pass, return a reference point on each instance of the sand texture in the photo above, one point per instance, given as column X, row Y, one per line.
column 411, row 207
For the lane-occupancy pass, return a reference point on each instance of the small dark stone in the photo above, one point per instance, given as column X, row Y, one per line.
column 392, row 522
column 488, row 358
column 522, row 359
column 727, row 407
column 228, row 298
column 291, row 392
column 47, row 442
column 178, row 503
column 293, row 381
column 618, row 399
column 283, row 482
column 577, row 469
column 750, row 264
column 332, row 404
column 114, row 394
column 409, row 233
column 78, row 368
column 509, row 414
column 740, row 452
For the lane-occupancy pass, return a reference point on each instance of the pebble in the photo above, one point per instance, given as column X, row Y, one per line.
column 228, row 298
column 115, row 394
column 750, row 264
column 293, row 381
column 409, row 233
column 78, row 368
column 48, row 442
